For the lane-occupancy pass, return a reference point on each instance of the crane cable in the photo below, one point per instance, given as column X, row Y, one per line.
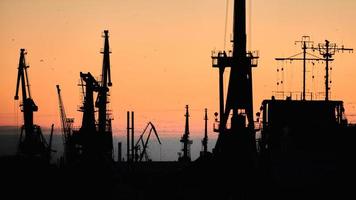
column 249, row 22
column 250, row 25
column 226, row 16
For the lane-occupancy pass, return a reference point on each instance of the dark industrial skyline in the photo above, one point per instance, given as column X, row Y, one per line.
column 160, row 64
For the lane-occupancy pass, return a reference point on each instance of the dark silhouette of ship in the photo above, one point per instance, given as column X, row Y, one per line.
column 305, row 150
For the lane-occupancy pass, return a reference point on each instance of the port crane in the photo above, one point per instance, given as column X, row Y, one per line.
column 87, row 135
column 105, row 129
column 94, row 138
column 142, row 145
column 236, row 125
column 31, row 141
column 66, row 124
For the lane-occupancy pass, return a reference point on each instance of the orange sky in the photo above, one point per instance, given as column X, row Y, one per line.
column 161, row 54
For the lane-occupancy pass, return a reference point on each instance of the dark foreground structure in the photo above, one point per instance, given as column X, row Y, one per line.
column 306, row 149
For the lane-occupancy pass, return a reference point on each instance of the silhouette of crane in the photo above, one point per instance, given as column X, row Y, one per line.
column 32, row 143
column 238, row 138
column 94, row 138
column 88, row 132
column 105, row 129
column 142, row 145
column 66, row 124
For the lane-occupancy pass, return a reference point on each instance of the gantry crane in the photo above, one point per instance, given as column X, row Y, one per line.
column 31, row 143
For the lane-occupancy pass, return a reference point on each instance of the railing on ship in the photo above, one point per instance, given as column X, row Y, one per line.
column 298, row 95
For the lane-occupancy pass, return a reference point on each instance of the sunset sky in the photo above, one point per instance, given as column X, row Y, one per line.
column 161, row 52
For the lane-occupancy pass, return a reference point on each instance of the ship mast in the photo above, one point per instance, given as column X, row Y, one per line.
column 327, row 50
column 186, row 142
column 205, row 139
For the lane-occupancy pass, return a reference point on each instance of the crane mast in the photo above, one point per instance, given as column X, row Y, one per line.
column 105, row 128
column 236, row 137
column 28, row 105
column 94, row 139
column 66, row 124
column 32, row 142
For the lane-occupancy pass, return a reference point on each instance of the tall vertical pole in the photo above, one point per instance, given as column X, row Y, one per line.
column 185, row 139
column 119, row 152
column 186, row 133
column 327, row 50
column 221, row 96
column 128, row 137
column 304, row 67
column 327, row 55
column 50, row 141
column 132, row 137
column 205, row 141
column 105, row 84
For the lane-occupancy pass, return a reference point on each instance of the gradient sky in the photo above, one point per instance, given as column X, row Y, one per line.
column 161, row 51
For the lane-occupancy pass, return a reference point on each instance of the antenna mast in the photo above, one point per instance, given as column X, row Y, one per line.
column 327, row 50
column 186, row 142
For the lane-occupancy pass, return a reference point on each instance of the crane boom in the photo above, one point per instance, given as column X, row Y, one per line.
column 144, row 143
column 21, row 77
column 61, row 111
column 66, row 124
